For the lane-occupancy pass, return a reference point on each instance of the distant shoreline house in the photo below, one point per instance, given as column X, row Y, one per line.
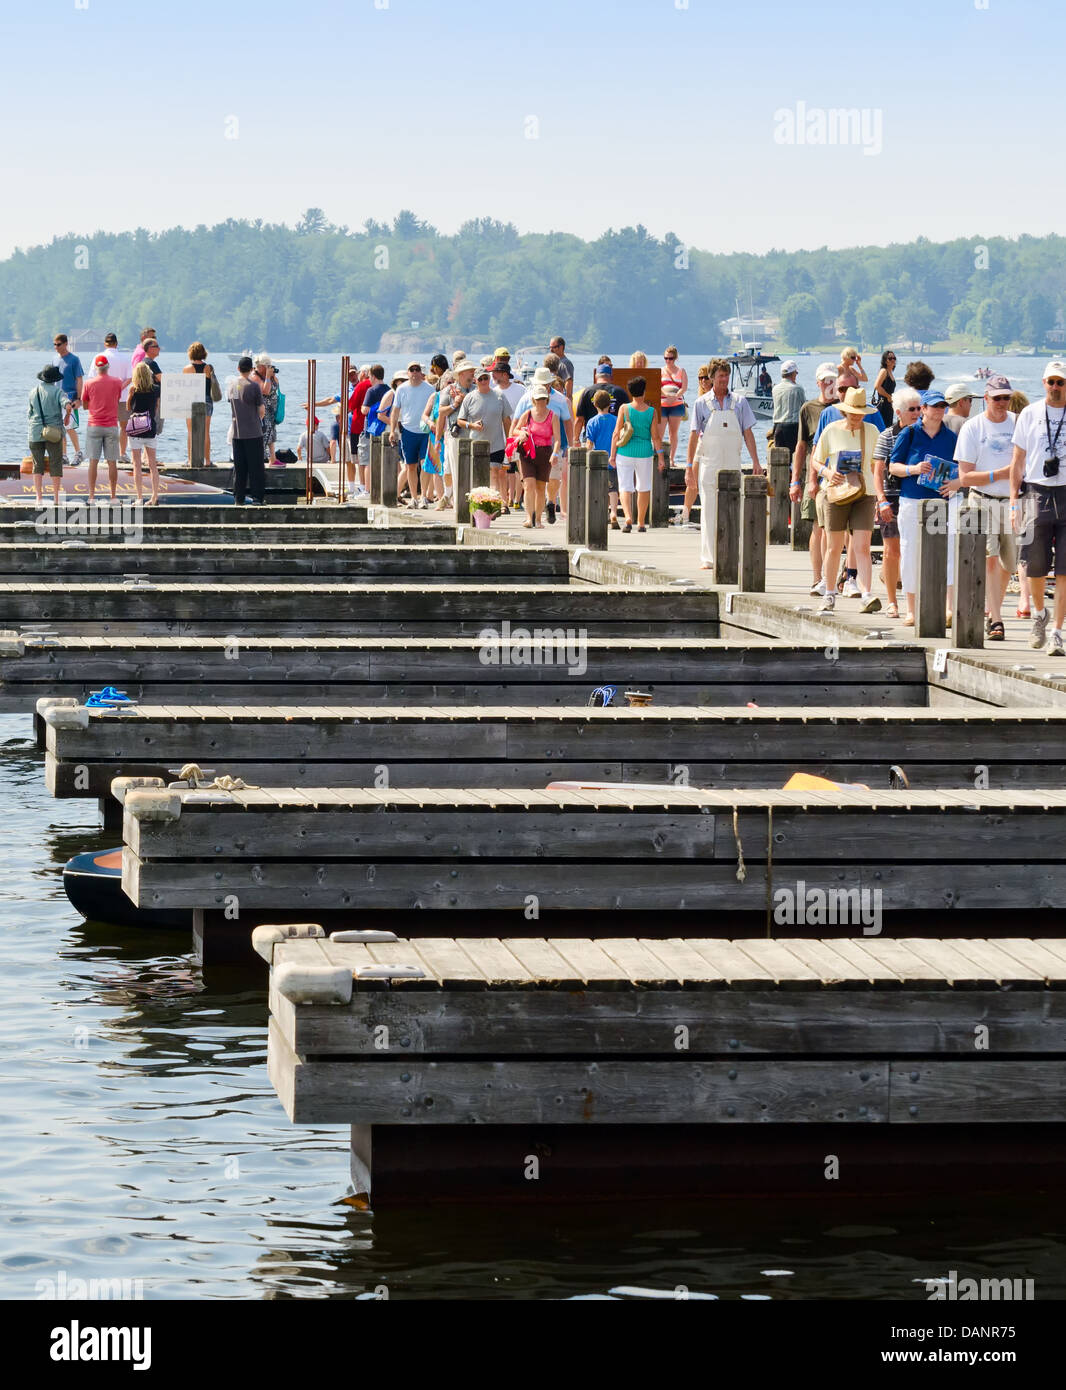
column 86, row 339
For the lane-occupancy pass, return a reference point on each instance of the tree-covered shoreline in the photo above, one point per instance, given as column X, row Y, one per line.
column 324, row 288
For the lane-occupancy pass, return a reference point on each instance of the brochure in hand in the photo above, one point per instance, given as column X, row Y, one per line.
column 849, row 461
column 944, row 471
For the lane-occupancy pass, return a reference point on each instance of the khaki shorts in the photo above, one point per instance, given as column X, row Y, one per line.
column 47, row 455
column 1000, row 541
column 850, row 516
column 809, row 509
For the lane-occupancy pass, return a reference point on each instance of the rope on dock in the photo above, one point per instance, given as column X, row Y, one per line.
column 742, row 872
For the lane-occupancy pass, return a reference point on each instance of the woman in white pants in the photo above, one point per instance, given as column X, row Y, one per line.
column 635, row 459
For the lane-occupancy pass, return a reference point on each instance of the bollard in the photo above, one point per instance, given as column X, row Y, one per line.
column 932, row 596
column 576, row 497
column 659, row 510
column 199, row 434
column 780, row 506
column 726, row 568
column 753, row 533
column 390, row 462
column 968, row 619
column 375, row 470
column 597, row 505
column 480, row 463
column 462, row 483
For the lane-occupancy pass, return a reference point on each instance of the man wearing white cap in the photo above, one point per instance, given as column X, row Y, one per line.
column 789, row 396
column 1039, row 460
column 983, row 454
column 960, row 398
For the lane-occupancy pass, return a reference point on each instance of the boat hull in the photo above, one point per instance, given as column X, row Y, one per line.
column 93, row 883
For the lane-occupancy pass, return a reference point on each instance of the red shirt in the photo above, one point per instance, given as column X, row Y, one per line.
column 355, row 405
column 101, row 395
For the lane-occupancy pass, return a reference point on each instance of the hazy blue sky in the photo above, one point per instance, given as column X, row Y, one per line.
column 353, row 106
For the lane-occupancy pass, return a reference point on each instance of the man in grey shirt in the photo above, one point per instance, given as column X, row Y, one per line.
column 485, row 414
column 246, row 402
column 789, row 396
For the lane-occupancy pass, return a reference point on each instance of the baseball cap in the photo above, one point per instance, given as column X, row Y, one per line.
column 101, row 361
column 541, row 393
column 1056, row 367
column 933, row 397
column 481, row 372
column 414, row 366
column 501, row 352
column 604, row 369
column 997, row 386
column 825, row 372
column 958, row 391
column 787, row 368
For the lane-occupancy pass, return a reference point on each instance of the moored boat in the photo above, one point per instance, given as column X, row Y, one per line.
column 93, row 883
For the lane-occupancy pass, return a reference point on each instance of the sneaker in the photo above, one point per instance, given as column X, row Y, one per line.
column 124, row 458
column 870, row 604
column 818, row 589
column 1038, row 636
column 79, row 459
column 549, row 508
column 851, row 589
column 1054, row 646
column 829, row 604
column 692, row 526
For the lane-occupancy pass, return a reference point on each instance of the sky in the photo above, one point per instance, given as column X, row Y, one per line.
column 711, row 121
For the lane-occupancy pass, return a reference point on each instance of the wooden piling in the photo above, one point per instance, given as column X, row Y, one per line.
column 199, row 434
column 659, row 512
column 577, row 498
column 780, row 507
column 727, row 528
column 480, row 464
column 968, row 623
column 932, row 593
column 375, row 470
column 463, row 483
column 390, row 462
column 753, row 534
column 597, row 506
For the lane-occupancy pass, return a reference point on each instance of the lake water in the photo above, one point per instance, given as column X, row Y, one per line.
column 18, row 377
column 142, row 1140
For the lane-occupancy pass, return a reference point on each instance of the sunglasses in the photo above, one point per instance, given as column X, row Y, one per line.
column 667, row 357
column 912, row 409
column 1054, row 381
column 999, row 398
column 703, row 377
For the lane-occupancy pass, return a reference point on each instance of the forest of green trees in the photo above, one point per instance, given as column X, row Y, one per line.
column 324, row 288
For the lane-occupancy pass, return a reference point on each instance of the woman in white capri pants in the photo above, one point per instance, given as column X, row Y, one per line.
column 635, row 458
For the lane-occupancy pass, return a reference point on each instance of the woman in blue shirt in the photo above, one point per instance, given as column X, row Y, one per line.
column 917, row 449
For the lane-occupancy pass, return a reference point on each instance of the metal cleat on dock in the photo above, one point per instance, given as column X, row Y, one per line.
column 368, row 936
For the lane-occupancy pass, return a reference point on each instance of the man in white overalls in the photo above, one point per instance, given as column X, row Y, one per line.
column 721, row 423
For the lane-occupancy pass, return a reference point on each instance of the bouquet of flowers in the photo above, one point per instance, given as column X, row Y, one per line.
column 486, row 499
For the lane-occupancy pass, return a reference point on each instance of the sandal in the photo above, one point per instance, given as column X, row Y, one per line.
column 892, row 611
column 1022, row 613
column 996, row 632
column 527, row 526
column 908, row 621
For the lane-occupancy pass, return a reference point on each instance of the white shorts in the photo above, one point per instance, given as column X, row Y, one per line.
column 634, row 474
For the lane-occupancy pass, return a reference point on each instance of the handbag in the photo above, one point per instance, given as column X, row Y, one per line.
column 51, row 434
column 625, row 431
column 140, row 425
column 216, row 390
column 853, row 487
column 279, row 414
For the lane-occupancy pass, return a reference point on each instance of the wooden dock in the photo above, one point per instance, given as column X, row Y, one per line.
column 847, row 961
column 525, row 1045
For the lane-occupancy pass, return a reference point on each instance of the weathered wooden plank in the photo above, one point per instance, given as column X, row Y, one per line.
column 544, row 962
column 574, row 1020
column 640, row 960
column 978, row 1091
column 497, row 963
column 451, row 964
column 568, row 1092
column 593, row 966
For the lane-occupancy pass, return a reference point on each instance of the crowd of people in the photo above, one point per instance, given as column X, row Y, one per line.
column 857, row 462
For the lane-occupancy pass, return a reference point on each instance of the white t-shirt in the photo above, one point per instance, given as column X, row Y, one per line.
column 121, row 364
column 983, row 445
column 1031, row 434
column 512, row 395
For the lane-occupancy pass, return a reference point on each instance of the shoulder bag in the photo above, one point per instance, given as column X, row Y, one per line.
column 51, row 434
column 216, row 390
column 852, row 488
column 625, row 428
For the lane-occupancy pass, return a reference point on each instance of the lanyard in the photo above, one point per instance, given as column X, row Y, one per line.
column 1053, row 444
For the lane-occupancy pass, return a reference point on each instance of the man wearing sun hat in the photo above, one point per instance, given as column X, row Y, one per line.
column 960, row 398
column 1039, row 459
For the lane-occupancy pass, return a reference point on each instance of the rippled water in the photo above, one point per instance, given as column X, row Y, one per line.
column 141, row 1140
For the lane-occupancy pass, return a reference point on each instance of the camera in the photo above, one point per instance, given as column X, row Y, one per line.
column 1051, row 468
